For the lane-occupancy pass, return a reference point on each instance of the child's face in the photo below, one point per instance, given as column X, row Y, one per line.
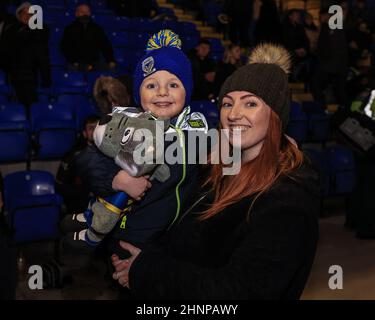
column 163, row 94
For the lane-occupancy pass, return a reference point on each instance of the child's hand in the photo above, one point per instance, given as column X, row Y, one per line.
column 134, row 187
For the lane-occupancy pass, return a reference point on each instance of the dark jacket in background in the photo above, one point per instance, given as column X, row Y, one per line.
column 294, row 36
column 27, row 56
column 84, row 43
column 8, row 259
column 332, row 50
column 202, row 88
column 225, row 257
column 69, row 184
column 268, row 26
column 6, row 22
column 239, row 10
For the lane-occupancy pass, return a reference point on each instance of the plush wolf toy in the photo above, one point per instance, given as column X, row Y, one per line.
column 119, row 135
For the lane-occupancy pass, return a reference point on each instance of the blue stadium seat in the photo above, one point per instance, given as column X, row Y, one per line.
column 69, row 82
column 84, row 111
column 55, row 36
column 298, row 123
column 320, row 163
column 120, row 39
column 211, row 10
column 343, row 172
column 2, row 78
column 14, row 133
column 54, row 126
column 189, row 42
column 32, row 208
column 320, row 128
column 56, row 57
column 81, row 105
column 209, row 109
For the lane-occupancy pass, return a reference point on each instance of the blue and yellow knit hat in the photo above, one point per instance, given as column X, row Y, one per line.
column 164, row 53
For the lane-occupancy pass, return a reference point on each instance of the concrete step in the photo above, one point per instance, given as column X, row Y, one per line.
column 212, row 35
column 301, row 97
column 204, row 28
column 297, row 87
column 166, row 5
column 185, row 17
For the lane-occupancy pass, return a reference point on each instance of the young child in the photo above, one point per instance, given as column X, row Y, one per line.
column 162, row 85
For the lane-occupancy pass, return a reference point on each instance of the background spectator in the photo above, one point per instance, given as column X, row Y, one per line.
column 6, row 21
column 267, row 22
column 27, row 57
column 8, row 265
column 240, row 13
column 84, row 41
column 332, row 56
column 203, row 71
column 229, row 64
column 109, row 92
column 296, row 41
column 312, row 32
column 68, row 183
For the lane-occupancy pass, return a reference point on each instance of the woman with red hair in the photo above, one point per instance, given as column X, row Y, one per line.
column 248, row 236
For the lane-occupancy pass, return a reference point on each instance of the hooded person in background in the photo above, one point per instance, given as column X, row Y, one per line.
column 28, row 56
column 84, row 42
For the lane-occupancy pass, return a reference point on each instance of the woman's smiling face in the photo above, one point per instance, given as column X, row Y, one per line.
column 163, row 94
column 249, row 114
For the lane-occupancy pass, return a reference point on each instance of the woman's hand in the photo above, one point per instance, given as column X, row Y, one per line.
column 135, row 187
column 122, row 267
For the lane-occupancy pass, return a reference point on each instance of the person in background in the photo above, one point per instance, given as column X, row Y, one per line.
column 231, row 61
column 109, row 92
column 267, row 22
column 84, row 43
column 203, row 71
column 69, row 184
column 312, row 32
column 6, row 21
column 28, row 56
column 332, row 63
column 8, row 256
column 240, row 14
column 296, row 41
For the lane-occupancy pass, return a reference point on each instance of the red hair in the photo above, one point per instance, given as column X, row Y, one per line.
column 277, row 157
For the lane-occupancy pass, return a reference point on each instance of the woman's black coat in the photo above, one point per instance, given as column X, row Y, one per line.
column 225, row 257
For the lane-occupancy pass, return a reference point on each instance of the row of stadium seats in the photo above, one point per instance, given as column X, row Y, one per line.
column 32, row 207
column 337, row 169
column 49, row 134
column 52, row 128
column 308, row 123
